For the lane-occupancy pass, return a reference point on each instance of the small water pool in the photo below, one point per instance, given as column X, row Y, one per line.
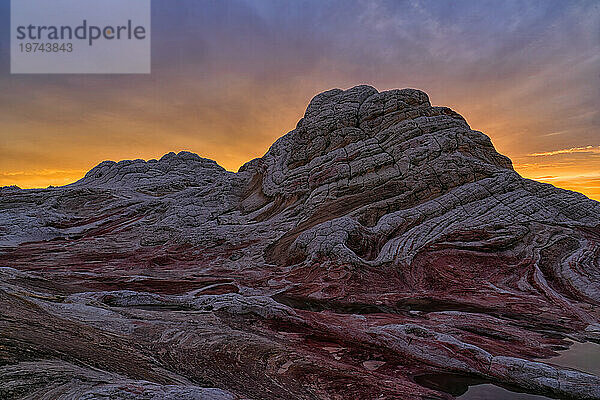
column 488, row 391
column 581, row 356
column 470, row 388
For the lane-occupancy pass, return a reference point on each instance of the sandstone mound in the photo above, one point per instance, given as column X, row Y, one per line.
column 379, row 244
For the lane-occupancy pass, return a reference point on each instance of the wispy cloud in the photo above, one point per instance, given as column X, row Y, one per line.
column 584, row 149
column 586, row 183
column 592, row 176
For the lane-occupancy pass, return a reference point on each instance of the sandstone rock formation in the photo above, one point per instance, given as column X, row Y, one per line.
column 379, row 244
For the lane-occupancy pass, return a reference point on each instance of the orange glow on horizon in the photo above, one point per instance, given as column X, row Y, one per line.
column 571, row 178
column 240, row 122
column 584, row 182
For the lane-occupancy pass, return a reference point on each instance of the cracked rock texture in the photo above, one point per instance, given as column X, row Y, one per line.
column 379, row 244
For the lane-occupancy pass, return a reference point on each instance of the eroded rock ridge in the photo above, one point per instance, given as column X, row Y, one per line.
column 380, row 243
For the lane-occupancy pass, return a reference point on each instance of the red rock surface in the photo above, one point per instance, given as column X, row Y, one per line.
column 379, row 244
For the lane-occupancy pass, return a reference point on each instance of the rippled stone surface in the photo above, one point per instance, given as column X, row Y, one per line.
column 379, row 242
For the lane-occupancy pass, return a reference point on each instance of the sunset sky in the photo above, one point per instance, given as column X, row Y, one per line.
column 231, row 76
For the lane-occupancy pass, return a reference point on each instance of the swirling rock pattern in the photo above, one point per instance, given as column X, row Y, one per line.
column 380, row 242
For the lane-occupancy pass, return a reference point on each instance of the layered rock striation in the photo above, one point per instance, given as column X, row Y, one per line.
column 379, row 244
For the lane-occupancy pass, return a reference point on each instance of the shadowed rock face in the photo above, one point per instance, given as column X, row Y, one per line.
column 379, row 243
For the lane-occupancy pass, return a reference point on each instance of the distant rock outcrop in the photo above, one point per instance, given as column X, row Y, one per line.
column 379, row 244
